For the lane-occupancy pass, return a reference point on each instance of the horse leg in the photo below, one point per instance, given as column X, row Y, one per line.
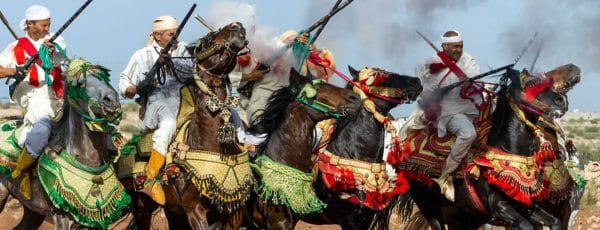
column 196, row 215
column 544, row 218
column 508, row 214
column 61, row 220
column 4, row 193
column 30, row 220
column 234, row 220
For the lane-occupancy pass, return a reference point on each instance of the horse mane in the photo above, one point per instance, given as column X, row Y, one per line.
column 274, row 114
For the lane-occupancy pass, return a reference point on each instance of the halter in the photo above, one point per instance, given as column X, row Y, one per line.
column 308, row 96
column 533, row 105
column 76, row 93
column 208, row 48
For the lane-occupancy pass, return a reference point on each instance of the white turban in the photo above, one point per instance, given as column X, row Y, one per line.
column 164, row 23
column 34, row 13
column 452, row 39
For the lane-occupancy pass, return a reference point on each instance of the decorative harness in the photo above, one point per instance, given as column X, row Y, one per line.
column 368, row 183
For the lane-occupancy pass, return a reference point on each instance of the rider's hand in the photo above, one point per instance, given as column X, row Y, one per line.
column 163, row 58
column 256, row 74
column 50, row 46
column 303, row 38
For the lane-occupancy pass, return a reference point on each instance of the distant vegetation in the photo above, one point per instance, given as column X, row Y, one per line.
column 585, row 134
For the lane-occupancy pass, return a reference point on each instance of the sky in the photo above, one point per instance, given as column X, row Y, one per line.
column 367, row 33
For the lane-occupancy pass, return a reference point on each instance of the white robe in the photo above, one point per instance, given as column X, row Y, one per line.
column 163, row 102
column 40, row 103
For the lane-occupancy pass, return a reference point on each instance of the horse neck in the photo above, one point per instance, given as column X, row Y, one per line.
column 361, row 139
column 204, row 125
column 509, row 133
column 89, row 148
column 291, row 142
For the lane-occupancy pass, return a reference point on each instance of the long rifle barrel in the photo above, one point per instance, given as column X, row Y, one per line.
column 428, row 41
column 166, row 49
column 8, row 26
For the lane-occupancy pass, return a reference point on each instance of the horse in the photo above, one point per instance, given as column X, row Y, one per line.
column 205, row 135
column 74, row 180
column 509, row 147
column 286, row 168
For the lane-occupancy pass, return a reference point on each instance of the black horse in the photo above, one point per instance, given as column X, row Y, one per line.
column 283, row 212
column 513, row 131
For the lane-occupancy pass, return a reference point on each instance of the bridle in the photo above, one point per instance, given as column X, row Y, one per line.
column 308, row 97
column 207, row 47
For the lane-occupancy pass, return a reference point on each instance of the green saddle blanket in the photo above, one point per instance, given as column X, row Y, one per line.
column 92, row 195
column 9, row 149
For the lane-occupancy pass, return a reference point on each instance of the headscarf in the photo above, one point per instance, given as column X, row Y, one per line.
column 161, row 23
column 34, row 13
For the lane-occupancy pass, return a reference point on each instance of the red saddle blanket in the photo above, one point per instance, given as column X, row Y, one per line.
column 520, row 177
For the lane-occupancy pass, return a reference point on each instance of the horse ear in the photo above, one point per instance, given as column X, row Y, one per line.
column 353, row 72
column 295, row 77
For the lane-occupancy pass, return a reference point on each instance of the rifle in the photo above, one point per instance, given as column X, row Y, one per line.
column 8, row 26
column 18, row 78
column 204, row 23
column 247, row 88
column 147, row 85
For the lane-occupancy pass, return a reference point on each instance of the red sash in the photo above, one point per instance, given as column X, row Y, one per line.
column 23, row 46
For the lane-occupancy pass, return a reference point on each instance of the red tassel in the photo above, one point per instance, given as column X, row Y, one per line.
column 532, row 91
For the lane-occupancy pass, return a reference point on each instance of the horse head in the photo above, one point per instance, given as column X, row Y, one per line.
column 564, row 77
column 90, row 94
column 537, row 95
column 388, row 89
column 324, row 100
column 216, row 52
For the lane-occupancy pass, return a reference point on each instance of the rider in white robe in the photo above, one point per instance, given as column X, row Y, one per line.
column 163, row 101
column 39, row 96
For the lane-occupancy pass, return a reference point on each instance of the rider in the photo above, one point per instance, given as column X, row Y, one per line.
column 40, row 92
column 163, row 100
column 457, row 113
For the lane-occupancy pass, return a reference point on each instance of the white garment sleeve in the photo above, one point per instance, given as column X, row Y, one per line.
column 128, row 75
column 7, row 57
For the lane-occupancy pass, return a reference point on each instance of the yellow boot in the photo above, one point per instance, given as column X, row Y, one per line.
column 154, row 190
column 23, row 163
column 446, row 184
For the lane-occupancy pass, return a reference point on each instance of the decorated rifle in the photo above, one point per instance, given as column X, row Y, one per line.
column 18, row 78
column 148, row 83
column 281, row 51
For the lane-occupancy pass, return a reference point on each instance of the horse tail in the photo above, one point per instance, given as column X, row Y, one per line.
column 399, row 210
column 416, row 221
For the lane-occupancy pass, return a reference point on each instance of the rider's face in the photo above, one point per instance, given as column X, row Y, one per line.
column 163, row 37
column 453, row 50
column 38, row 29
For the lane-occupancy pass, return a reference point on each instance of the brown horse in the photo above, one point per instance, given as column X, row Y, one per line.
column 512, row 148
column 76, row 163
column 288, row 163
column 211, row 172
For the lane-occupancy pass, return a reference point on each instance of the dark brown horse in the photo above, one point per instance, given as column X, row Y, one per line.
column 212, row 158
column 77, row 153
column 520, row 105
column 291, row 159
